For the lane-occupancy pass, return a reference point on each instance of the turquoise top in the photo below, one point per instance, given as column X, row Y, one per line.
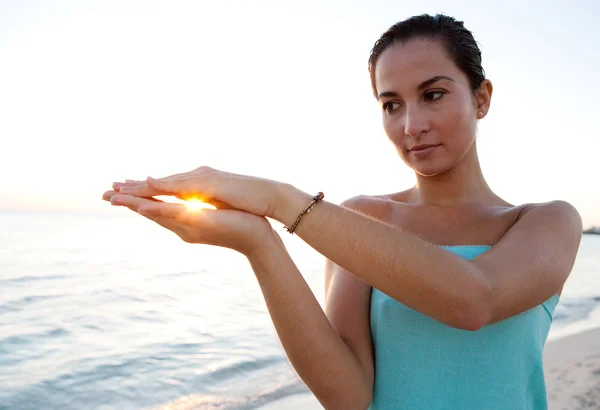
column 421, row 363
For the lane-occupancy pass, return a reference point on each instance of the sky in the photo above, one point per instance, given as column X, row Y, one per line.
column 98, row 91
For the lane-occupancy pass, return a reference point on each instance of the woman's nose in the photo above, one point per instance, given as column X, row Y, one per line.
column 415, row 122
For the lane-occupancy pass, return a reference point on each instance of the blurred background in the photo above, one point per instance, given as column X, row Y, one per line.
column 100, row 309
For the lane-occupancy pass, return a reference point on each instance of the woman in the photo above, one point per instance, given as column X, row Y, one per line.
column 437, row 297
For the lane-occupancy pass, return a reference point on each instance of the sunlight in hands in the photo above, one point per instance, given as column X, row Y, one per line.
column 195, row 205
column 192, row 204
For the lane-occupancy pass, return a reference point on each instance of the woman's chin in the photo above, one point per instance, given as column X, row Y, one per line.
column 428, row 170
column 426, row 167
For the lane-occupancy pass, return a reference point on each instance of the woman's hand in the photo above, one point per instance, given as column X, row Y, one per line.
column 229, row 228
column 219, row 188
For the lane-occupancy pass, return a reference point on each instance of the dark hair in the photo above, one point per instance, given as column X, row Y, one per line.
column 456, row 39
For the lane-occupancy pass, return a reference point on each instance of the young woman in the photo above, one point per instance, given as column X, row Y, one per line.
column 437, row 297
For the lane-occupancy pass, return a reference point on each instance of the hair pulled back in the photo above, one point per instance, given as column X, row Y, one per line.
column 455, row 38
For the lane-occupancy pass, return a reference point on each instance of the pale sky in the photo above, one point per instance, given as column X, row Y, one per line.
column 97, row 91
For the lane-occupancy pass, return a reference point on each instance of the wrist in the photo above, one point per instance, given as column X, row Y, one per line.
column 268, row 246
column 289, row 202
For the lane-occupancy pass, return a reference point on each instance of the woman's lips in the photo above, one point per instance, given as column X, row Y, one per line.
column 422, row 153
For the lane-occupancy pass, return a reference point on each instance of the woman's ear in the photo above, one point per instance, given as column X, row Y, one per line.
column 483, row 97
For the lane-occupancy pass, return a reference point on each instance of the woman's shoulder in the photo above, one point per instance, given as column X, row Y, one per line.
column 380, row 207
column 557, row 204
column 558, row 212
column 371, row 204
column 377, row 200
column 385, row 203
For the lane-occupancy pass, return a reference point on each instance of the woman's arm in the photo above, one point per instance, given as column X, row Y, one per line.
column 338, row 375
column 333, row 354
column 524, row 269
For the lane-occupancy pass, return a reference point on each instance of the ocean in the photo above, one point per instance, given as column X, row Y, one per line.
column 111, row 312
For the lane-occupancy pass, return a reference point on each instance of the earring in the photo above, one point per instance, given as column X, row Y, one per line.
column 480, row 114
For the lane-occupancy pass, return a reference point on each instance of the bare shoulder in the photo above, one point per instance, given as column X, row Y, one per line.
column 533, row 259
column 379, row 206
column 558, row 216
column 361, row 202
column 553, row 228
column 556, row 207
column 556, row 223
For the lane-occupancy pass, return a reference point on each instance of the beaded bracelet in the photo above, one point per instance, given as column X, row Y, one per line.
column 306, row 210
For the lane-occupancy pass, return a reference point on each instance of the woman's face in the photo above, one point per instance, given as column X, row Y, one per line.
column 426, row 100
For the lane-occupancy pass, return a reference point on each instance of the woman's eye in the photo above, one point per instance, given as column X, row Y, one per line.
column 390, row 107
column 433, row 95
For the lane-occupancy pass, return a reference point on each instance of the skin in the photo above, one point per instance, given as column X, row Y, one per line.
column 444, row 113
column 390, row 241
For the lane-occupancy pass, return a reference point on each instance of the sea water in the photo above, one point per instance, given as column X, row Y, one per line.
column 104, row 312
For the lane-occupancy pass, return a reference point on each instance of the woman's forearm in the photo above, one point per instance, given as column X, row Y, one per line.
column 317, row 352
column 409, row 269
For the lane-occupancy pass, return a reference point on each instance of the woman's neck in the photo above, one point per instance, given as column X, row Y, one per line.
column 463, row 184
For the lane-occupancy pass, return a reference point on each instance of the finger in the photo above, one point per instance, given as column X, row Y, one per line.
column 219, row 204
column 176, row 186
column 145, row 189
column 117, row 186
column 142, row 190
column 137, row 183
column 128, row 182
column 131, row 202
column 165, row 210
column 108, row 195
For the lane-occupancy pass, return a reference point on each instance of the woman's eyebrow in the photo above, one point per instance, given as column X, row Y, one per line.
column 421, row 86
column 432, row 80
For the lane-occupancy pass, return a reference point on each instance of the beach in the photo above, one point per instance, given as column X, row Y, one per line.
column 110, row 322
column 571, row 367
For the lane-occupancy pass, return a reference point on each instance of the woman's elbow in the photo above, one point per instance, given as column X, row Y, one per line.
column 353, row 404
column 358, row 399
column 472, row 322
column 473, row 312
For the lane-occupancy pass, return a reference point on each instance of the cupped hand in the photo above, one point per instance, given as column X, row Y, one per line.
column 222, row 189
column 229, row 228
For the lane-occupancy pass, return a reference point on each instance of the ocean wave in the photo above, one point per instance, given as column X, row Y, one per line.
column 571, row 310
column 122, row 381
column 26, row 280
column 213, row 402
column 17, row 305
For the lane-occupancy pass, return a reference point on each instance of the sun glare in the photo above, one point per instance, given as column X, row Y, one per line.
column 192, row 204
column 195, row 205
